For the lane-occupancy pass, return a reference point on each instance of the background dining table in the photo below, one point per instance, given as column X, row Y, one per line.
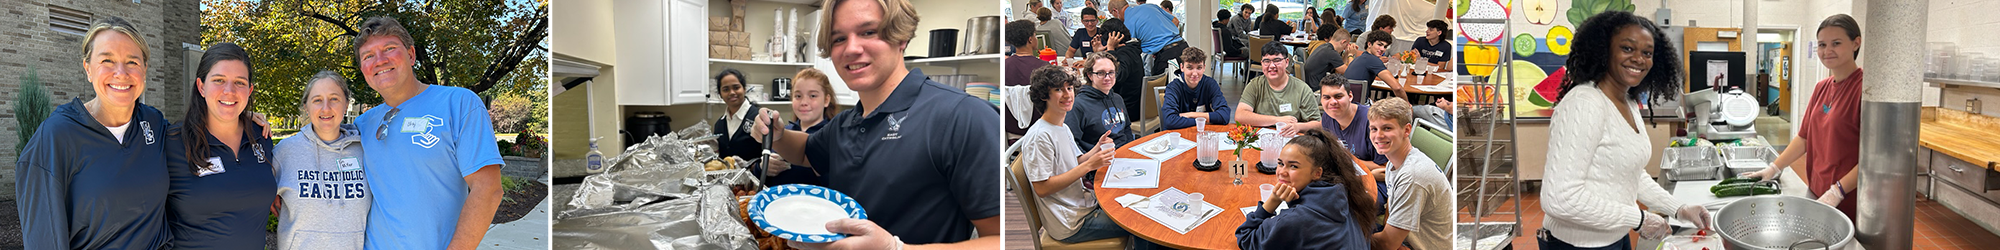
column 1217, row 187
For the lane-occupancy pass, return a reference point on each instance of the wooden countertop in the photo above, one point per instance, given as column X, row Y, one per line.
column 1961, row 135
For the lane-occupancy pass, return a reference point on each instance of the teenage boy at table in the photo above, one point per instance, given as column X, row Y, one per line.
column 918, row 154
column 1016, row 67
column 1363, row 70
column 1419, row 201
column 1327, row 59
column 1193, row 95
column 1348, row 121
column 1081, row 40
column 1435, row 45
column 1095, row 104
column 1276, row 97
column 1056, row 166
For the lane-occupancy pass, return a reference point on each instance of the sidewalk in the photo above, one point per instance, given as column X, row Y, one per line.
column 531, row 232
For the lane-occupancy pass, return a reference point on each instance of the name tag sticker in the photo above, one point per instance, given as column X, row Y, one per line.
column 415, row 124
column 214, row 167
column 350, row 164
column 1285, row 107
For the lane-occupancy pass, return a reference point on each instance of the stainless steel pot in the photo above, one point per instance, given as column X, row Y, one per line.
column 1783, row 222
column 982, row 36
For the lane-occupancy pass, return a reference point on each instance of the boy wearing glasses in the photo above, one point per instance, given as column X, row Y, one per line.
column 439, row 142
column 1079, row 43
column 1193, row 95
column 1096, row 106
column 1276, row 97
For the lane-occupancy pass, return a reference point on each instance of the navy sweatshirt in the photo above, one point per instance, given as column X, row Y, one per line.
column 1181, row 99
column 1318, row 219
column 78, row 187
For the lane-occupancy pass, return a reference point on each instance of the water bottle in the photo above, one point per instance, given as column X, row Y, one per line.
column 594, row 161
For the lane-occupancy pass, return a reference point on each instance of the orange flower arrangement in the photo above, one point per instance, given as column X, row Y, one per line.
column 1245, row 137
column 1408, row 56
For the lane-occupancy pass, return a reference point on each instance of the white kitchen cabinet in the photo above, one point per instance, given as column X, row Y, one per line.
column 652, row 69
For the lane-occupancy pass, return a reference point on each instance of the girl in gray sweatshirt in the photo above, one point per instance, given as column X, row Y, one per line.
column 324, row 195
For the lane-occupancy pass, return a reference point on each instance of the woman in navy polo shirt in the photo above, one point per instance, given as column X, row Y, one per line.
column 91, row 176
column 219, row 167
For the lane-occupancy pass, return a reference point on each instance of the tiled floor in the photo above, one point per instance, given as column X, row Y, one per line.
column 1937, row 227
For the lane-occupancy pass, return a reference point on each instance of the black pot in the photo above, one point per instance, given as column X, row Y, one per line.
column 944, row 42
column 646, row 124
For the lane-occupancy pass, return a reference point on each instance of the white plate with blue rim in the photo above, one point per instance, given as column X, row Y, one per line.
column 799, row 212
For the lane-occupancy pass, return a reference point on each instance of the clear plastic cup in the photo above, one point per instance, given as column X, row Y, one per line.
column 1264, row 191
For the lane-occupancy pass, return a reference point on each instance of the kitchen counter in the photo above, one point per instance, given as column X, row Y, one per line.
column 1696, row 192
column 1961, row 135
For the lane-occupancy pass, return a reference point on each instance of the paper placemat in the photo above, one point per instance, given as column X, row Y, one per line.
column 1180, row 225
column 1132, row 173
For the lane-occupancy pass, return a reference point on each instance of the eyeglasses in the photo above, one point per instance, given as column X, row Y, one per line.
column 382, row 132
column 1274, row 60
column 1104, row 73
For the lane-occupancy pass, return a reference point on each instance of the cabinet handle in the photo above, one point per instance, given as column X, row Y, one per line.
column 1955, row 169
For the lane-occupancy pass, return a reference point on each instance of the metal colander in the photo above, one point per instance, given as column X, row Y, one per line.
column 1783, row 222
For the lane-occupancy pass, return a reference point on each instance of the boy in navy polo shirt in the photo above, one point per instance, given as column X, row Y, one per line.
column 439, row 142
column 919, row 156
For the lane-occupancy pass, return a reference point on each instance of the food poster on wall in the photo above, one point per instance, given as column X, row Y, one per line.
column 1542, row 33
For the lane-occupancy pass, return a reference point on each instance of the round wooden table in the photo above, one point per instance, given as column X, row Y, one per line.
column 1382, row 91
column 1178, row 172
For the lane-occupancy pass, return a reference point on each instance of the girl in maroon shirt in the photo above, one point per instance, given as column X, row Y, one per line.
column 1829, row 138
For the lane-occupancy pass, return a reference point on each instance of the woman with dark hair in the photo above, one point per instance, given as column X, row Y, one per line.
column 1272, row 26
column 1597, row 149
column 219, row 163
column 735, row 124
column 1309, row 21
column 1831, row 132
column 94, row 175
column 1330, row 208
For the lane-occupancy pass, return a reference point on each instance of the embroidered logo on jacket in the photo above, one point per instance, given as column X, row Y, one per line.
column 148, row 127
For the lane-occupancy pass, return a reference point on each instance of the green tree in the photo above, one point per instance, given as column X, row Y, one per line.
column 30, row 108
column 482, row 45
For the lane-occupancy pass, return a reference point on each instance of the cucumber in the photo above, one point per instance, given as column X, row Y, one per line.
column 1739, row 180
column 1720, row 187
column 1745, row 190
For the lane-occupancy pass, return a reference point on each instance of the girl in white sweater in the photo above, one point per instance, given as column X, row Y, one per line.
column 1597, row 152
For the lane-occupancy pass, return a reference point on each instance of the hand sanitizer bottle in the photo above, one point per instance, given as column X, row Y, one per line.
column 594, row 161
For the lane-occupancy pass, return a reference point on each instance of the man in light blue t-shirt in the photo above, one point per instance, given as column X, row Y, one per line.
column 1158, row 33
column 433, row 142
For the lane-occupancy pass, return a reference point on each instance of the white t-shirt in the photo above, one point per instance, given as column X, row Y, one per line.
column 119, row 131
column 1048, row 149
column 1420, row 201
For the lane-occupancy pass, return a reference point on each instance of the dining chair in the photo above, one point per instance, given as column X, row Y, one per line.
column 1024, row 191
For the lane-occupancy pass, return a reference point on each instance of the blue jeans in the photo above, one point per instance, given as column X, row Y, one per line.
column 1550, row 242
column 1097, row 226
